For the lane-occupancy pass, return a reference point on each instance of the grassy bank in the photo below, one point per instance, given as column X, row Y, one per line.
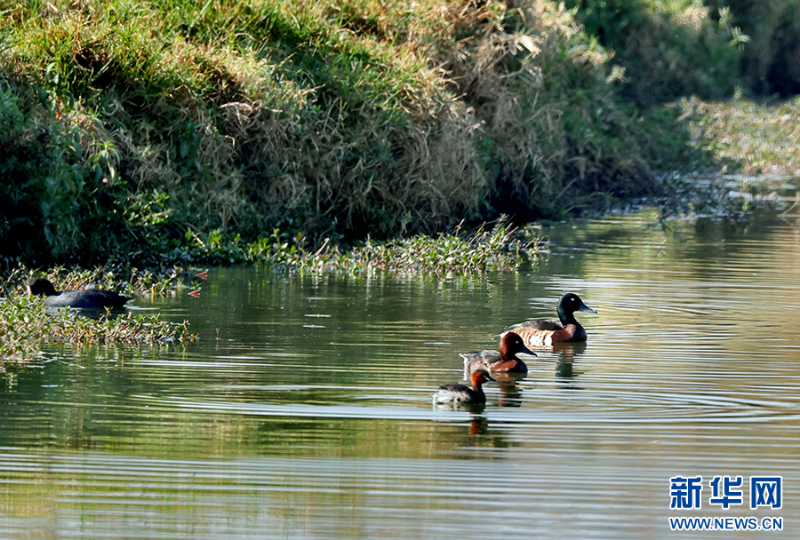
column 127, row 124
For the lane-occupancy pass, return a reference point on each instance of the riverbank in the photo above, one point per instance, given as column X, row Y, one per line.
column 132, row 129
column 748, row 136
column 360, row 139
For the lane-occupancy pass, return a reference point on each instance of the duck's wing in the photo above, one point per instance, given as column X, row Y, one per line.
column 535, row 336
column 451, row 394
column 454, row 387
column 88, row 299
column 548, row 325
column 479, row 360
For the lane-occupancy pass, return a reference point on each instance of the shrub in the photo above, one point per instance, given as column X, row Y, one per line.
column 669, row 48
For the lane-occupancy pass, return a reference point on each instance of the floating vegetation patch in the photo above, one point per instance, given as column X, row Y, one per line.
column 26, row 323
column 499, row 248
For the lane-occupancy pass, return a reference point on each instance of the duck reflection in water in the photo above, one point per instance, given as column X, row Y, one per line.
column 565, row 365
column 478, row 425
column 509, row 392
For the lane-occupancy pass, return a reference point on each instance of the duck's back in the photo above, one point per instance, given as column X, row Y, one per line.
column 458, row 393
column 88, row 299
column 544, row 324
column 480, row 360
column 491, row 360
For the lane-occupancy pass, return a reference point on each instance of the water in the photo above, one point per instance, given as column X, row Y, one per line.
column 310, row 415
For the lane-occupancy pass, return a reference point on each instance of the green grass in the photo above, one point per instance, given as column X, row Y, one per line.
column 498, row 248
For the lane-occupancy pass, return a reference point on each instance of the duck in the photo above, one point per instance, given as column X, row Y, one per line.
column 505, row 360
column 85, row 299
column 460, row 394
column 565, row 330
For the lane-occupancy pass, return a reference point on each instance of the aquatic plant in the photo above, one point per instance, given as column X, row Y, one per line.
column 25, row 323
column 486, row 249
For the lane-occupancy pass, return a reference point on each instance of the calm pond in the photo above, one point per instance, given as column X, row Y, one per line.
column 310, row 416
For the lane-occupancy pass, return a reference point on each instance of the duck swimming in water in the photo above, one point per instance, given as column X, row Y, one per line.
column 565, row 330
column 85, row 299
column 504, row 360
column 460, row 394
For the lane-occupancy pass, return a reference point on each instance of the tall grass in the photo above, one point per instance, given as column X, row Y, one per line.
column 126, row 124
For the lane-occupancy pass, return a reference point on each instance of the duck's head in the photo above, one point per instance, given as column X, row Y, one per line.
column 570, row 303
column 41, row 287
column 479, row 377
column 511, row 344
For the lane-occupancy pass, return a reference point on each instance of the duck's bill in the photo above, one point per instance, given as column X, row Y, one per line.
column 587, row 309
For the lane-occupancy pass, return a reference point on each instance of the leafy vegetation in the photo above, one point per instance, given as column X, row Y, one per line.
column 769, row 56
column 668, row 48
column 498, row 248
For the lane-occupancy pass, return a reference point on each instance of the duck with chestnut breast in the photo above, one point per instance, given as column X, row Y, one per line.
column 505, row 360
column 461, row 394
column 565, row 330
column 84, row 299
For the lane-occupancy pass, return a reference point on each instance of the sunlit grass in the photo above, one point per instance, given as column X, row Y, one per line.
column 751, row 136
column 499, row 248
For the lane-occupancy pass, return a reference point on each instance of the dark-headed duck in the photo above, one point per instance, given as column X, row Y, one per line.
column 85, row 299
column 458, row 394
column 565, row 330
column 504, row 360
